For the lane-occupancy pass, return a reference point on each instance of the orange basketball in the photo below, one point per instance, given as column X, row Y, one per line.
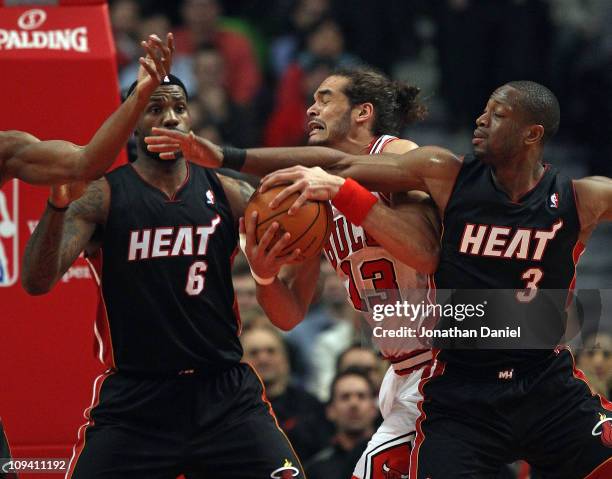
column 309, row 226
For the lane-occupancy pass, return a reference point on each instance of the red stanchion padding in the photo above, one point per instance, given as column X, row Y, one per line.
column 58, row 79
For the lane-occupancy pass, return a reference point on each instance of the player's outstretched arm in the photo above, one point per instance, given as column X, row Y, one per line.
column 62, row 233
column 419, row 169
column 57, row 162
column 430, row 169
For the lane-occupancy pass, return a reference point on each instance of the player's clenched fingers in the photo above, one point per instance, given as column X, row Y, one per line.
column 267, row 238
column 279, row 246
column 277, row 178
column 303, row 198
column 286, row 193
column 250, row 223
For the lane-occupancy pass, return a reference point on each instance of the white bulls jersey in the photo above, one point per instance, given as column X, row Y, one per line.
column 371, row 276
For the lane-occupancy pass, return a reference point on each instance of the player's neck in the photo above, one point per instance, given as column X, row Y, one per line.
column 356, row 143
column 167, row 176
column 516, row 178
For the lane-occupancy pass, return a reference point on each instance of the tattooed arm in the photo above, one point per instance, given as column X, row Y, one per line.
column 60, row 237
column 238, row 193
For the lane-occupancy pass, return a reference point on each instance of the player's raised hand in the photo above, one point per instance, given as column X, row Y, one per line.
column 265, row 257
column 194, row 148
column 62, row 195
column 312, row 184
column 156, row 64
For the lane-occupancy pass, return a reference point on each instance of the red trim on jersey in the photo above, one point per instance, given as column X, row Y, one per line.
column 265, row 400
column 103, row 347
column 576, row 203
column 578, row 374
column 373, row 145
column 435, row 369
column 577, row 252
column 524, row 471
column 80, row 444
column 170, row 199
column 235, row 304
column 386, row 142
column 603, row 471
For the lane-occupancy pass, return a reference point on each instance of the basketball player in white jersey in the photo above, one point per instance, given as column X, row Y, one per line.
column 396, row 248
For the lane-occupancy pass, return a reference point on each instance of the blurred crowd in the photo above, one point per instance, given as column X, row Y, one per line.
column 251, row 67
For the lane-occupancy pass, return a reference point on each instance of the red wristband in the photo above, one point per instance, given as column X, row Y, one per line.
column 354, row 201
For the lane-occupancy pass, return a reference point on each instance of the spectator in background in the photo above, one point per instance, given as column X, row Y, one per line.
column 299, row 414
column 365, row 359
column 595, row 360
column 333, row 341
column 233, row 123
column 244, row 289
column 284, row 49
column 324, row 51
column 125, row 18
column 352, row 409
column 203, row 30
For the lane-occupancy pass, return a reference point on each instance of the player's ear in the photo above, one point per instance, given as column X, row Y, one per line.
column 365, row 112
column 534, row 134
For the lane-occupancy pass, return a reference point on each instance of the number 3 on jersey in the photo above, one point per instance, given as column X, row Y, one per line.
column 382, row 274
column 195, row 278
column 533, row 276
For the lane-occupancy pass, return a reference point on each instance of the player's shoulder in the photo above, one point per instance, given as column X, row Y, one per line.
column 398, row 146
column 593, row 194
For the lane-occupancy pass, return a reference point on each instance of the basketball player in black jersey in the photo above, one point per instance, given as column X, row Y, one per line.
column 25, row 157
column 175, row 398
column 510, row 221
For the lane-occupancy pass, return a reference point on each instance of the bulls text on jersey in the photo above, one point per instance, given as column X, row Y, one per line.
column 346, row 239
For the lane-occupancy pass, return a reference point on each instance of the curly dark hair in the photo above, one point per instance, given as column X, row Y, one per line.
column 395, row 103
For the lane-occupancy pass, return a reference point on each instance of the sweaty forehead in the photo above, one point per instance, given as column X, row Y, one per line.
column 164, row 92
column 332, row 84
column 506, row 95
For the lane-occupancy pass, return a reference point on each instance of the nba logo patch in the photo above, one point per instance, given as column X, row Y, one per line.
column 554, row 200
column 9, row 240
column 210, row 197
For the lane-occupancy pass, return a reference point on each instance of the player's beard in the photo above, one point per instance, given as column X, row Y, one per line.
column 154, row 155
column 337, row 133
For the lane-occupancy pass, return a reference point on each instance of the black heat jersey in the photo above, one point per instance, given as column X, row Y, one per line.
column 166, row 276
column 529, row 247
